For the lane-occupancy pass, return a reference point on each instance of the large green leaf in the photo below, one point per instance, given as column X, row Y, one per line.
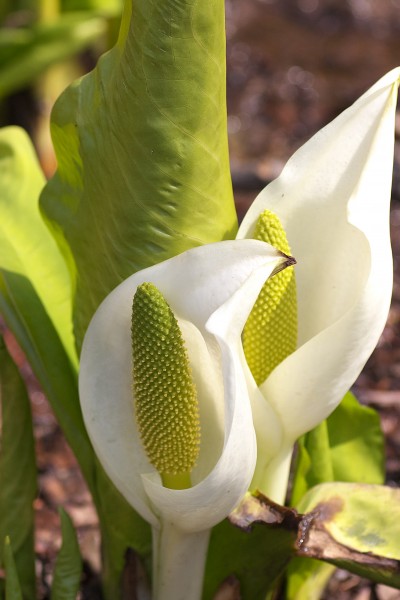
column 17, row 472
column 68, row 567
column 348, row 446
column 12, row 587
column 141, row 144
column 354, row 526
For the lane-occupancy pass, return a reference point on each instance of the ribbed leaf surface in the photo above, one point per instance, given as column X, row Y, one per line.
column 141, row 144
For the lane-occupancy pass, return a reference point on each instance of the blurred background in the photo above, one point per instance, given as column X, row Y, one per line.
column 293, row 65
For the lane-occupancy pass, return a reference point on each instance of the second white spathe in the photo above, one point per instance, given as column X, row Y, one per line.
column 332, row 199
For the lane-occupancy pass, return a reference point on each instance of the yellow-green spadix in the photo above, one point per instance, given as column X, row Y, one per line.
column 270, row 333
column 332, row 200
column 167, row 410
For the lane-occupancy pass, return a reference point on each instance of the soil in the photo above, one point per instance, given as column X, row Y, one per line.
column 292, row 66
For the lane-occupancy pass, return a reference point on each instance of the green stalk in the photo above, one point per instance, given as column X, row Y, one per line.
column 179, row 575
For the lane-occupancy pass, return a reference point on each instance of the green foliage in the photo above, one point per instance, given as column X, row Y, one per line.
column 256, row 558
column 107, row 7
column 142, row 138
column 348, row 446
column 355, row 430
column 35, row 295
column 323, row 453
column 144, row 175
column 68, row 567
column 17, row 473
column 34, row 286
column 349, row 525
column 12, row 587
column 121, row 528
column 357, row 528
column 26, row 53
column 141, row 144
column 307, row 579
column 27, row 250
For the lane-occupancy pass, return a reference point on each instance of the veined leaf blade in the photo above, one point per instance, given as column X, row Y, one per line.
column 141, row 144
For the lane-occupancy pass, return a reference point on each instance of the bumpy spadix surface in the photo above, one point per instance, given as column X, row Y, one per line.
column 166, row 399
column 270, row 334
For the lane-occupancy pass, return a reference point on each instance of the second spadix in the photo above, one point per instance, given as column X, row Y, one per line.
column 270, row 334
column 167, row 409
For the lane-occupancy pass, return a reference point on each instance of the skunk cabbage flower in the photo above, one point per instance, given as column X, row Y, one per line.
column 332, row 200
column 204, row 297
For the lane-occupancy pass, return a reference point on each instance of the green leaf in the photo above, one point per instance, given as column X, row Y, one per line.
column 257, row 554
column 35, row 296
column 313, row 461
column 348, row 446
column 353, row 431
column 68, row 567
column 355, row 527
column 13, row 589
column 34, row 286
column 349, row 525
column 121, row 528
column 25, row 54
column 141, row 144
column 27, row 318
column 27, row 249
column 17, row 472
column 307, row 579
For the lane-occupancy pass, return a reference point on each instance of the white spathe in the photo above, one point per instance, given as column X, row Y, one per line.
column 333, row 201
column 211, row 290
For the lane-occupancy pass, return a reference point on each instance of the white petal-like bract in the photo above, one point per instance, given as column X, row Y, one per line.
column 211, row 290
column 333, row 201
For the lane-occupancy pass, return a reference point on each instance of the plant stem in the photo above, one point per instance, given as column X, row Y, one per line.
column 178, row 563
column 180, row 481
column 272, row 478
